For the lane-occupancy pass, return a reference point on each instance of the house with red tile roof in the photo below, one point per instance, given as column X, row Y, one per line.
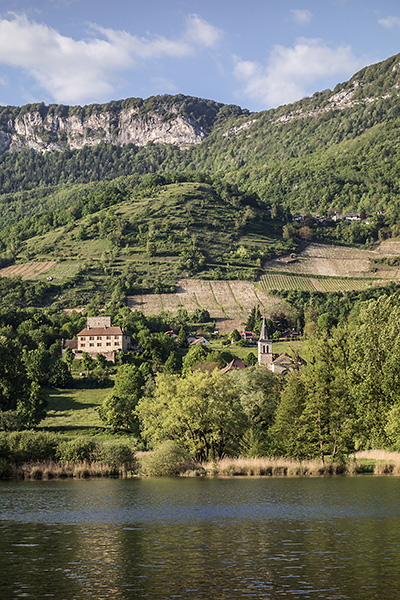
column 99, row 337
column 235, row 364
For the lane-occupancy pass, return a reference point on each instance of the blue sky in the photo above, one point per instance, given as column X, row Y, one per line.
column 255, row 53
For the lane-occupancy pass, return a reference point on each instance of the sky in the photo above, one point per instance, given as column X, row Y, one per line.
column 257, row 54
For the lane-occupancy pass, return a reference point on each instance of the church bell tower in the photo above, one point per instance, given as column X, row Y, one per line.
column 265, row 347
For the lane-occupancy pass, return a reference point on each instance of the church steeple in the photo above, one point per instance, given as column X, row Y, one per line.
column 265, row 347
column 264, row 331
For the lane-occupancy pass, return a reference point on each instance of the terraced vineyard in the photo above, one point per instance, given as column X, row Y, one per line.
column 287, row 281
column 228, row 302
column 342, row 268
column 339, row 261
column 30, row 270
column 341, row 284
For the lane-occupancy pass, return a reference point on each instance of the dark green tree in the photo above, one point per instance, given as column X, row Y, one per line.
column 118, row 409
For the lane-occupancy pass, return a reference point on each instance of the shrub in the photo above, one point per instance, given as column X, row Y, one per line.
column 60, row 375
column 76, row 450
column 99, row 377
column 10, row 420
column 115, row 455
column 168, row 459
column 36, row 472
column 32, row 446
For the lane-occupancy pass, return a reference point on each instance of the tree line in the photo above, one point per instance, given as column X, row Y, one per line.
column 346, row 397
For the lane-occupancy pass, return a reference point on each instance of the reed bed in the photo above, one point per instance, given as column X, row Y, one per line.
column 266, row 466
column 384, row 462
column 166, row 463
column 80, row 470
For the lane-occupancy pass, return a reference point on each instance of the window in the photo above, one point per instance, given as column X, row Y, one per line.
column 99, row 337
column 108, row 337
column 91, row 337
column 91, row 344
column 116, row 343
column 108, row 343
column 83, row 345
column 99, row 344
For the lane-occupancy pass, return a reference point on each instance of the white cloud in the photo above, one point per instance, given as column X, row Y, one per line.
column 144, row 48
column 390, row 22
column 75, row 71
column 201, row 32
column 301, row 15
column 290, row 72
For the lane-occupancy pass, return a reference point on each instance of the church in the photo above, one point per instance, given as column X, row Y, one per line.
column 281, row 364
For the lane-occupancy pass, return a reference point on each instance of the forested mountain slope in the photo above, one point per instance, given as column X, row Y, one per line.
column 335, row 150
column 107, row 181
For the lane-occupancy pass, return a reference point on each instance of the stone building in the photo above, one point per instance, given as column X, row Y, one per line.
column 99, row 337
column 265, row 356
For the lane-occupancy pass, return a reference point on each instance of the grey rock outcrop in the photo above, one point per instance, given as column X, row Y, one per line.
column 55, row 133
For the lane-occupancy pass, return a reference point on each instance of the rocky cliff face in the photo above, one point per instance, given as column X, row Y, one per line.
column 55, row 133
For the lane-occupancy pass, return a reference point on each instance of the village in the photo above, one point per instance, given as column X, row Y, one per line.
column 100, row 338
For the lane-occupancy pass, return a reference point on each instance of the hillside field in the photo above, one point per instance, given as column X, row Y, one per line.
column 331, row 268
column 319, row 267
column 228, row 302
column 340, row 261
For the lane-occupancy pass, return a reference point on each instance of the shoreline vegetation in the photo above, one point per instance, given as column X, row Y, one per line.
column 148, row 464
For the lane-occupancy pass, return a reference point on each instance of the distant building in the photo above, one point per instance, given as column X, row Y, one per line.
column 248, row 336
column 298, row 218
column 99, row 337
column 284, row 363
column 352, row 217
column 234, row 365
column 265, row 356
column 171, row 334
column 193, row 341
column 281, row 364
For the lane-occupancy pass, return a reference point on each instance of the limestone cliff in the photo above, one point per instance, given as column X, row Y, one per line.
column 41, row 129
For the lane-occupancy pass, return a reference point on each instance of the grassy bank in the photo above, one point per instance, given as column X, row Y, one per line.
column 145, row 464
column 44, row 455
column 74, row 411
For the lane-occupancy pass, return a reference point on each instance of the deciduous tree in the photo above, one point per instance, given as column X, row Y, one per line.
column 202, row 411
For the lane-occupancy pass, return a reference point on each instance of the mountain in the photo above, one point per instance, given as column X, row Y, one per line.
column 177, row 120
column 335, row 150
column 183, row 121
column 63, row 169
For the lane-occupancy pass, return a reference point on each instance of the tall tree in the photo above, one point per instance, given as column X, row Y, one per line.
column 19, row 394
column 202, row 411
column 118, row 409
column 375, row 368
column 315, row 417
column 259, row 394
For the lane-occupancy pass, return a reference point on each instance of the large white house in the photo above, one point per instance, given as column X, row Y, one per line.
column 99, row 337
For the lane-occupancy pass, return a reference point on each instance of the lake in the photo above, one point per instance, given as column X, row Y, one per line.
column 217, row 539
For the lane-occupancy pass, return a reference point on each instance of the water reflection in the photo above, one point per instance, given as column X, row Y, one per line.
column 213, row 539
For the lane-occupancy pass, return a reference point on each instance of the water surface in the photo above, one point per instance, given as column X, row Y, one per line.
column 221, row 539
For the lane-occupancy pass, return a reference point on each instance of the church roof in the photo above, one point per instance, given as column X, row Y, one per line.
column 286, row 360
column 236, row 363
column 264, row 331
